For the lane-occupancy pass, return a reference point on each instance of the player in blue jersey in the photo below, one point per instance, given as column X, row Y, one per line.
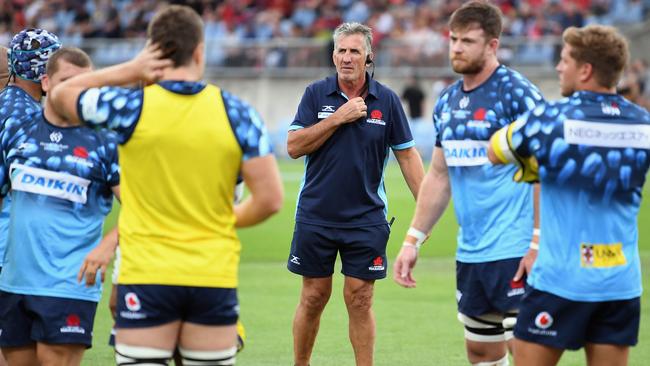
column 591, row 153
column 62, row 178
column 26, row 59
column 495, row 215
column 344, row 127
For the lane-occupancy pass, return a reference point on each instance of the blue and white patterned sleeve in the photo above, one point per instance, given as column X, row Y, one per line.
column 248, row 127
column 112, row 167
column 112, row 107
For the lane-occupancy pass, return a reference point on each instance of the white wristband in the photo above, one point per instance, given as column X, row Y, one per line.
column 534, row 246
column 418, row 235
column 416, row 246
column 536, row 231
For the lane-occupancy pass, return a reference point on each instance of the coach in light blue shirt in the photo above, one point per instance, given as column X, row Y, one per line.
column 344, row 126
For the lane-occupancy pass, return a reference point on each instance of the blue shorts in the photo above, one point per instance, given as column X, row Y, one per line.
column 561, row 323
column 363, row 251
column 140, row 306
column 27, row 319
column 483, row 288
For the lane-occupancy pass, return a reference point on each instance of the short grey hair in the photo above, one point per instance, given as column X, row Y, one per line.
column 348, row 29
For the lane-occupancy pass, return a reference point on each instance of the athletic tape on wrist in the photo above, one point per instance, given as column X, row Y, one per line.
column 416, row 245
column 536, row 231
column 418, row 235
column 534, row 246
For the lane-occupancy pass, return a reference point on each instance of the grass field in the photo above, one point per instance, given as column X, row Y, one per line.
column 414, row 327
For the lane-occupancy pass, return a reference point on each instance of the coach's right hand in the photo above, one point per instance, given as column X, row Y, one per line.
column 403, row 267
column 351, row 111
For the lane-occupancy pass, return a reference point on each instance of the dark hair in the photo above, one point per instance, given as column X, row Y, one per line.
column 72, row 55
column 601, row 46
column 478, row 13
column 178, row 30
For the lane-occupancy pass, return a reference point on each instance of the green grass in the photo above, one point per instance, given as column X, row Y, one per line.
column 414, row 327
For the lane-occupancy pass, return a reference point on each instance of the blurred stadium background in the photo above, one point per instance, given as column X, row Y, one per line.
column 268, row 51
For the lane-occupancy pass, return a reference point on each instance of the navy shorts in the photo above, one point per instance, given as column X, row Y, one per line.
column 141, row 306
column 483, row 288
column 27, row 319
column 363, row 251
column 557, row 322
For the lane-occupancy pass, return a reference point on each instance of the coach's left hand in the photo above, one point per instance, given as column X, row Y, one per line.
column 403, row 267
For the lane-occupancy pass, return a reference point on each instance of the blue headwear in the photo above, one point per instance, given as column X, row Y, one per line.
column 29, row 51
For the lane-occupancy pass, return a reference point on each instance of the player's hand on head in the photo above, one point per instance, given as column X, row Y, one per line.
column 403, row 267
column 150, row 63
column 352, row 110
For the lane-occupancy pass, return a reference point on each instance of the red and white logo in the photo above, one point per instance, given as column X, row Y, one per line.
column 479, row 114
column 517, row 288
column 376, row 118
column 72, row 325
column 377, row 264
column 610, row 109
column 543, row 320
column 132, row 301
column 73, row 320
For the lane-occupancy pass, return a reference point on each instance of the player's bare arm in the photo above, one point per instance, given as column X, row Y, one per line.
column 410, row 163
column 262, row 177
column 307, row 140
column 433, row 199
column 146, row 67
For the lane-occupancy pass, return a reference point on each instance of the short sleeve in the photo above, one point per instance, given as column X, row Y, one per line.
column 248, row 127
column 306, row 114
column 400, row 136
column 115, row 108
column 437, row 124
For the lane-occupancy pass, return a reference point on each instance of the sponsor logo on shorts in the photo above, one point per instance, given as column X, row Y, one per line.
column 543, row 321
column 459, row 295
column 295, row 259
column 133, row 304
column 73, row 325
column 132, row 301
column 602, row 255
column 377, row 264
column 516, row 288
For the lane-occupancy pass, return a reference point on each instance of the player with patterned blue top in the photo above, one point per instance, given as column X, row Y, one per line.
column 495, row 215
column 590, row 151
column 27, row 56
column 183, row 144
column 62, row 177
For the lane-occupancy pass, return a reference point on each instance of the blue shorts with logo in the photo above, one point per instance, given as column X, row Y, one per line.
column 363, row 251
column 140, row 306
column 483, row 288
column 557, row 322
column 27, row 319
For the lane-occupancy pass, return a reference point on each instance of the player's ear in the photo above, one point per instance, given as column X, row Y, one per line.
column 45, row 83
column 585, row 72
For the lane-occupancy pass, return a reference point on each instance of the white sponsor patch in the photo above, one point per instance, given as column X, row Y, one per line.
column 324, row 114
column 44, row 182
column 465, row 152
column 606, row 134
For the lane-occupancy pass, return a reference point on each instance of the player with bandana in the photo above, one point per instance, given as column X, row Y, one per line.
column 61, row 177
column 591, row 152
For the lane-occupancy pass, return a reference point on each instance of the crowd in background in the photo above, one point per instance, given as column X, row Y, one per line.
column 406, row 32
